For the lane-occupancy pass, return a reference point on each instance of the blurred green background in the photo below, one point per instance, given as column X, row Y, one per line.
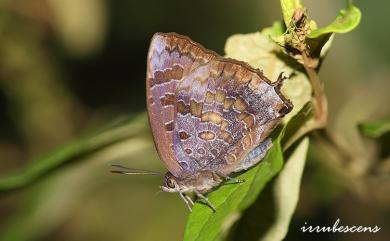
column 69, row 68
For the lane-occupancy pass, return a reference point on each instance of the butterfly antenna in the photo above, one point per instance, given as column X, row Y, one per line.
column 157, row 193
column 131, row 171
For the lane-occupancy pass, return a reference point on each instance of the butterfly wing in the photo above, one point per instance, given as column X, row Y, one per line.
column 171, row 58
column 225, row 109
column 207, row 112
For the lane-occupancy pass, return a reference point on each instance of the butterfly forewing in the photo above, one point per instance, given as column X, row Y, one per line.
column 171, row 58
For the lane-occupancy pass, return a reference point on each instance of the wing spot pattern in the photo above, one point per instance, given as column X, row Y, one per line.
column 182, row 108
column 166, row 75
column 206, row 135
column 201, row 151
column 212, row 117
column 167, row 99
column 228, row 103
column 230, row 158
column 220, row 96
column 184, row 135
column 196, row 108
column 209, row 97
column 240, row 105
column 169, row 126
column 225, row 135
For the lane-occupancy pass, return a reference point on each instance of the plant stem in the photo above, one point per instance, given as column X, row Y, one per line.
column 321, row 112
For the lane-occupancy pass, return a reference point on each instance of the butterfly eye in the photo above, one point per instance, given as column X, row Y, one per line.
column 170, row 183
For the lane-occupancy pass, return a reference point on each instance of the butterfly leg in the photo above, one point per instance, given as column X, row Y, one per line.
column 188, row 201
column 206, row 200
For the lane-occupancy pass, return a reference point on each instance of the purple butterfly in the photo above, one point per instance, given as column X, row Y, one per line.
column 210, row 116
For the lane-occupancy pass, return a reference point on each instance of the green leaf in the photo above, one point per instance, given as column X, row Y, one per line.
column 277, row 29
column 293, row 130
column 347, row 20
column 269, row 216
column 231, row 199
column 263, row 53
column 288, row 9
column 203, row 224
column 375, row 129
column 286, row 192
column 69, row 152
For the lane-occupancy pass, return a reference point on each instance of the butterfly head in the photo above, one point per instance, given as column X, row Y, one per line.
column 202, row 182
column 172, row 184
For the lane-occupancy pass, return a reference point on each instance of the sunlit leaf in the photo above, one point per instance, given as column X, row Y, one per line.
column 347, row 20
column 276, row 30
column 288, row 9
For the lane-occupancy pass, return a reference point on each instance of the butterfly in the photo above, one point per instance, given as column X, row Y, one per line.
column 210, row 116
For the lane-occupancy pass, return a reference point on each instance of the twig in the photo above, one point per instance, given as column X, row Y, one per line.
column 320, row 105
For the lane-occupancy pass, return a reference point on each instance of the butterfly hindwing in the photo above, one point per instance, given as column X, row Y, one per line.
column 225, row 110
